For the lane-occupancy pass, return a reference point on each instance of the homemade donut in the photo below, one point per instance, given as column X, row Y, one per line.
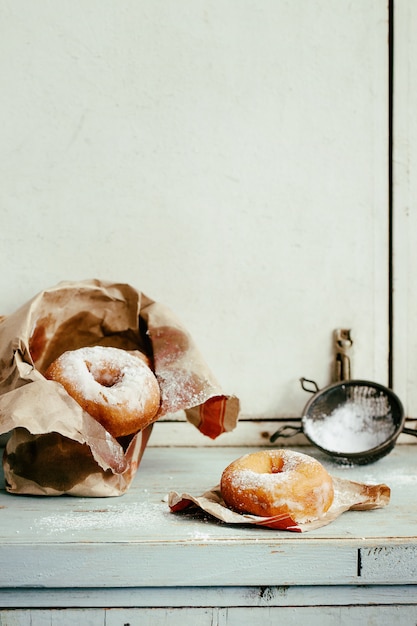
column 115, row 387
column 278, row 483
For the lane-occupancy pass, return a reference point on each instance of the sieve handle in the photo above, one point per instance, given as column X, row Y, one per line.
column 409, row 431
column 303, row 382
column 285, row 432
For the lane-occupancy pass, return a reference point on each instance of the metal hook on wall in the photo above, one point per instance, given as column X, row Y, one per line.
column 342, row 343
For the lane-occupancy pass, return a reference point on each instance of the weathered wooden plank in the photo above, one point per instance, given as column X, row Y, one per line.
column 317, row 616
column 69, row 617
column 203, row 564
column 379, row 563
column 222, row 596
column 291, row 616
column 141, row 515
column 162, row 617
column 177, row 564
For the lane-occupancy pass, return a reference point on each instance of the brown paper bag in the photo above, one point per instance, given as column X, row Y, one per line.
column 55, row 447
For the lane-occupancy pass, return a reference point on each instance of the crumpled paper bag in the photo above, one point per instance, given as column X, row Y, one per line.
column 348, row 495
column 55, row 447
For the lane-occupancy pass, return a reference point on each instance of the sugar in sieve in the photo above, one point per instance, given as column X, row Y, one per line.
column 353, row 421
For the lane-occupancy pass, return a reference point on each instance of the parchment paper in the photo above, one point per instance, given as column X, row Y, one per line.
column 349, row 495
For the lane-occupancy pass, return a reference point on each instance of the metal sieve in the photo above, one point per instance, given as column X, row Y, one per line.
column 353, row 421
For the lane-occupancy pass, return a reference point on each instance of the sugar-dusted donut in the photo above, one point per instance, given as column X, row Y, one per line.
column 278, row 482
column 117, row 388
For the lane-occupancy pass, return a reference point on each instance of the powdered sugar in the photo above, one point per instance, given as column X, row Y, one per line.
column 133, row 516
column 352, row 427
column 102, row 373
column 245, row 479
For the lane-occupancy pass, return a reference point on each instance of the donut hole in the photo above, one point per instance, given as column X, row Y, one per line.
column 277, row 466
column 106, row 377
column 268, row 464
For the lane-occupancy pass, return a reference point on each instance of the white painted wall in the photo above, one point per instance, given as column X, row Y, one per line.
column 228, row 158
column 405, row 204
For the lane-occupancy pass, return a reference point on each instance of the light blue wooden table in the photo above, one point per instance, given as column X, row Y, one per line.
column 129, row 560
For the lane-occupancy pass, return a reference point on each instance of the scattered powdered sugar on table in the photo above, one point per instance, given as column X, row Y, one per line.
column 353, row 427
column 134, row 516
column 395, row 477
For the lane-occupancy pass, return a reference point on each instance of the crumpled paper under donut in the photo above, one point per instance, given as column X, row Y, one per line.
column 50, row 431
column 349, row 495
